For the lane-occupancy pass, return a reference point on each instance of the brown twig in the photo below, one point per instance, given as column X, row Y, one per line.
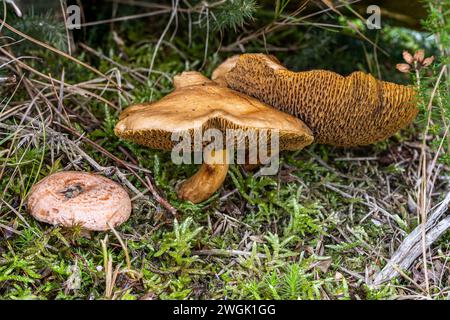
column 125, row 165
column 158, row 198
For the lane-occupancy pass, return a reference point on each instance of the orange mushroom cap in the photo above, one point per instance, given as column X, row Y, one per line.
column 77, row 198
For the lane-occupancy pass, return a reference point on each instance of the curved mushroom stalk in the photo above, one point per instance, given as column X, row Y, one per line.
column 251, row 166
column 248, row 166
column 207, row 180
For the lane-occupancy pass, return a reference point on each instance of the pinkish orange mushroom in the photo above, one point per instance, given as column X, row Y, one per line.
column 79, row 199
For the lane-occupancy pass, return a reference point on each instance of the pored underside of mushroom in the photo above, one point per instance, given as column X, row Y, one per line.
column 198, row 103
column 342, row 111
column 218, row 75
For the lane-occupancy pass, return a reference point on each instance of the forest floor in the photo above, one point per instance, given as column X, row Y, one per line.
column 320, row 229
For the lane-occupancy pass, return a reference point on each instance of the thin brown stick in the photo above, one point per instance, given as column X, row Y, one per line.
column 158, row 198
column 122, row 163
column 423, row 191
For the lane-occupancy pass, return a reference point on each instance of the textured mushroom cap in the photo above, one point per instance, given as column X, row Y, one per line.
column 198, row 103
column 219, row 73
column 343, row 111
column 76, row 198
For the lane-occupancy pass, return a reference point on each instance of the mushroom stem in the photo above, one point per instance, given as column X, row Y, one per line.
column 251, row 166
column 254, row 166
column 207, row 179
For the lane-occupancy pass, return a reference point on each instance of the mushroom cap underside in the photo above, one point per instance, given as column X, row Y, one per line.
column 340, row 110
column 206, row 105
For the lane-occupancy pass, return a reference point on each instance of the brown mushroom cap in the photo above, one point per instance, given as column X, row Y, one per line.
column 199, row 103
column 343, row 111
column 76, row 198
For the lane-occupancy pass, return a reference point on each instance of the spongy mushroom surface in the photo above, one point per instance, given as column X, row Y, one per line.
column 220, row 72
column 81, row 199
column 343, row 111
column 198, row 103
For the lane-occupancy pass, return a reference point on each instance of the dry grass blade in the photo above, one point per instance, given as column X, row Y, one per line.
column 424, row 202
column 123, row 245
column 110, row 273
column 72, row 88
column 65, row 55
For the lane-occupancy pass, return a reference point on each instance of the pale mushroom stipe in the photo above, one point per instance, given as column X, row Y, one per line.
column 199, row 104
column 71, row 198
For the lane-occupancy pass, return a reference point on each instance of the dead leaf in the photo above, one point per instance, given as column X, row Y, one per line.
column 403, row 67
column 323, row 265
column 408, row 57
column 419, row 55
column 428, row 61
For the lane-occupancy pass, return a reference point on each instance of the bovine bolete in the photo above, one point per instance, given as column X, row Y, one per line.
column 71, row 198
column 196, row 105
column 342, row 111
